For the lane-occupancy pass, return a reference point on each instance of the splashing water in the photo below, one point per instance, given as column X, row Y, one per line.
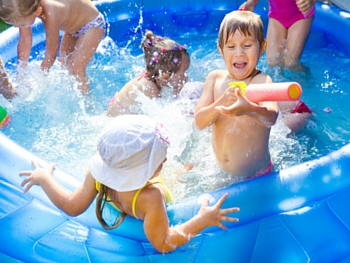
column 54, row 121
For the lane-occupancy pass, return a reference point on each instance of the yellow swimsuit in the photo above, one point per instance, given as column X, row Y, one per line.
column 168, row 197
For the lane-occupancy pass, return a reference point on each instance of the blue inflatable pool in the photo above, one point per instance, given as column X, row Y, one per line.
column 298, row 214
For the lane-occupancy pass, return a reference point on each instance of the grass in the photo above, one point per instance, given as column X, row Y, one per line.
column 3, row 26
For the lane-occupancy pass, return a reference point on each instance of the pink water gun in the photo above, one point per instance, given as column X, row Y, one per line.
column 280, row 91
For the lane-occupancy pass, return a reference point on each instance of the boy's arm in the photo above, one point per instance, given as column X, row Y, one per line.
column 52, row 42
column 166, row 239
column 264, row 113
column 205, row 113
column 24, row 43
column 72, row 203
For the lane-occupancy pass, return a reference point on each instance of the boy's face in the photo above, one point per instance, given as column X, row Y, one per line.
column 241, row 54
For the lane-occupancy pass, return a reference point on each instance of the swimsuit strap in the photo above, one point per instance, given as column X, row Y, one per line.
column 136, row 196
column 168, row 197
column 143, row 74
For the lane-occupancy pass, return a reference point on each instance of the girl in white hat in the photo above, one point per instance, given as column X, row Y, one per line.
column 131, row 153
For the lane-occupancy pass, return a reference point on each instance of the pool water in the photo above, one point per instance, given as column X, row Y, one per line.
column 55, row 122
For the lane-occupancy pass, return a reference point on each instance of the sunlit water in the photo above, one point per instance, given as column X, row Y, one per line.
column 52, row 119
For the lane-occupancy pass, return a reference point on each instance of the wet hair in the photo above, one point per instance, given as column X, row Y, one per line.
column 14, row 9
column 248, row 23
column 162, row 55
column 101, row 201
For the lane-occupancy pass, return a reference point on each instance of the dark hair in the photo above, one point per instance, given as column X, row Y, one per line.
column 246, row 22
column 162, row 55
column 14, row 9
column 101, row 200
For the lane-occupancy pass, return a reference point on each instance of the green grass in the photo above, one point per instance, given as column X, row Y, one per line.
column 3, row 25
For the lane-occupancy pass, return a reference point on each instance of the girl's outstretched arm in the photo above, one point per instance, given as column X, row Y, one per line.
column 72, row 203
column 166, row 239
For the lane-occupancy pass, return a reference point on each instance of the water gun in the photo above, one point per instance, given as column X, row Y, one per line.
column 5, row 119
column 280, row 91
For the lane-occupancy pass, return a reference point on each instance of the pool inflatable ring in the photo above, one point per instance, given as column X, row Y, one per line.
column 299, row 214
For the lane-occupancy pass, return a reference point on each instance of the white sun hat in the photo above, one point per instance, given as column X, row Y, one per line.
column 130, row 150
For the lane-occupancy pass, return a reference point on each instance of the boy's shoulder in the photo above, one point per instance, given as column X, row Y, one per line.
column 261, row 78
column 217, row 73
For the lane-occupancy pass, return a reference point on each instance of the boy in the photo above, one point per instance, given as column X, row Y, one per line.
column 241, row 128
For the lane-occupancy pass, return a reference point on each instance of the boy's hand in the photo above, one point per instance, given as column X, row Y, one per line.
column 238, row 108
column 35, row 176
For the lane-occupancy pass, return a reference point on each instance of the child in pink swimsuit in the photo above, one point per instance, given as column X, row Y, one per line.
column 166, row 67
column 287, row 12
column 289, row 26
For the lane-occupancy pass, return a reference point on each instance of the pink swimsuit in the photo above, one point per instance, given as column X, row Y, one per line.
column 301, row 107
column 287, row 12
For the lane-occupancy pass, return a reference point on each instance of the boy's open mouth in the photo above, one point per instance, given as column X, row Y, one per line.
column 240, row 65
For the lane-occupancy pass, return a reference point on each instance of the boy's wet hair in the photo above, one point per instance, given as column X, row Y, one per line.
column 248, row 23
column 14, row 9
column 162, row 55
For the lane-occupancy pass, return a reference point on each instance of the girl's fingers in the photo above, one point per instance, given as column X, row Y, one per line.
column 35, row 165
column 27, row 188
column 205, row 202
column 25, row 181
column 25, row 173
column 229, row 219
column 222, row 200
column 229, row 210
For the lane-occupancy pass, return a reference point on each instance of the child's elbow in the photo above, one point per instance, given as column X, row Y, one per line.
column 164, row 248
column 273, row 120
column 199, row 124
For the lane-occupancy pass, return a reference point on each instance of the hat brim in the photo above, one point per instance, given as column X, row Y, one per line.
column 118, row 179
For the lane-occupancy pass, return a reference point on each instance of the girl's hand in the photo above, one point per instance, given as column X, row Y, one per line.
column 238, row 108
column 213, row 215
column 305, row 5
column 35, row 176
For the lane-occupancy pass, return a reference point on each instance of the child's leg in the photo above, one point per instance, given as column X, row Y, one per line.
column 67, row 47
column 293, row 118
column 82, row 54
column 296, row 39
column 276, row 38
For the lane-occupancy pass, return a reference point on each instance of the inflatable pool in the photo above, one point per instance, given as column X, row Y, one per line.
column 298, row 214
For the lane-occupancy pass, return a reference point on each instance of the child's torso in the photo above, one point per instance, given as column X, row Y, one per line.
column 69, row 15
column 240, row 143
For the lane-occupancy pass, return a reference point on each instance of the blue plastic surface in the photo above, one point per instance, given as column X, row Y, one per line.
column 299, row 214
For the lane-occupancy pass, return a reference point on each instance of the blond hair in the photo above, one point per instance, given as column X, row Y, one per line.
column 14, row 9
column 248, row 23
